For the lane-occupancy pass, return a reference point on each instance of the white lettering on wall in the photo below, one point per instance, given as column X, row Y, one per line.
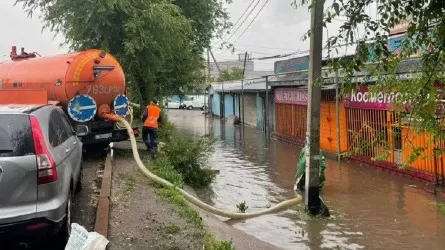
column 373, row 97
column 291, row 96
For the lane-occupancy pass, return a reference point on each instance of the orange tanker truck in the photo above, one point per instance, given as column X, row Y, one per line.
column 88, row 85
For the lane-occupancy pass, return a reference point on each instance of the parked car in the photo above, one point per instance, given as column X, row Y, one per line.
column 196, row 101
column 40, row 170
column 174, row 104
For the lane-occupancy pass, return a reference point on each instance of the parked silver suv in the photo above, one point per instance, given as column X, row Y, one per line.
column 40, row 169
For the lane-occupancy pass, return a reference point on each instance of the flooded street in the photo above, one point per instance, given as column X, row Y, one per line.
column 370, row 208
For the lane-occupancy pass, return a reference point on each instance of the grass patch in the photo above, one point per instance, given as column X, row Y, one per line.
column 172, row 229
column 441, row 208
column 172, row 196
column 163, row 168
column 130, row 184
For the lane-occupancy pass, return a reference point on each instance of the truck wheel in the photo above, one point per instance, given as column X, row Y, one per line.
column 190, row 107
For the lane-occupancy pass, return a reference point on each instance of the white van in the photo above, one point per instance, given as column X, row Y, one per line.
column 195, row 101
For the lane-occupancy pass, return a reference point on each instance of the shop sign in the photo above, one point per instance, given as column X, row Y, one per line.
column 291, row 96
column 364, row 99
column 381, row 100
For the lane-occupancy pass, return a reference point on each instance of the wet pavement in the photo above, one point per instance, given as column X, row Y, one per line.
column 370, row 208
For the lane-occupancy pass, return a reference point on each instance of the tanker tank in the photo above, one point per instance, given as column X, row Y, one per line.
column 83, row 83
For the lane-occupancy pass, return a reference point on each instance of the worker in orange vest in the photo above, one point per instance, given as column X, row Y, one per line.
column 151, row 118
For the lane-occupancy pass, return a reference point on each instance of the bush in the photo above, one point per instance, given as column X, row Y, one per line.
column 188, row 156
column 166, row 131
column 164, row 169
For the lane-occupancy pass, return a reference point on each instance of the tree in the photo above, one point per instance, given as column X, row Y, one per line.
column 425, row 21
column 229, row 75
column 158, row 42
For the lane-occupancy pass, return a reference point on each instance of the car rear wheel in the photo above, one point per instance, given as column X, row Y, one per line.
column 64, row 233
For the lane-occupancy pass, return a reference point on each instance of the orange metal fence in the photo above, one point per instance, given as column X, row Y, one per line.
column 378, row 137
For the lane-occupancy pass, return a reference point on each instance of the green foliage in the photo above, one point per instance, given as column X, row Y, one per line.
column 163, row 168
column 442, row 208
column 172, row 229
column 158, row 42
column 242, row 207
column 166, row 131
column 172, row 196
column 230, row 75
column 190, row 158
column 370, row 31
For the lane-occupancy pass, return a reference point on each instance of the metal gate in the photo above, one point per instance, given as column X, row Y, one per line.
column 291, row 122
column 374, row 135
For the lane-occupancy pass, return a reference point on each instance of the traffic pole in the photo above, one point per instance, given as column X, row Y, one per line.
column 312, row 188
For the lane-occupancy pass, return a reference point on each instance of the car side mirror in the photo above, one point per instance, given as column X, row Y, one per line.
column 82, row 130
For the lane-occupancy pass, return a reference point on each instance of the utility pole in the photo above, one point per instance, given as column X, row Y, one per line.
column 208, row 83
column 312, row 188
column 267, row 109
column 242, row 87
column 222, row 86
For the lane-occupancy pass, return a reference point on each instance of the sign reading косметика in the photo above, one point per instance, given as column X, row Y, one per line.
column 362, row 98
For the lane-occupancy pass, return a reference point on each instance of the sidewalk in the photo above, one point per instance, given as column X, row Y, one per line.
column 140, row 219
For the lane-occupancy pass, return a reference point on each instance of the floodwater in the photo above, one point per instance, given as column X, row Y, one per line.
column 370, row 208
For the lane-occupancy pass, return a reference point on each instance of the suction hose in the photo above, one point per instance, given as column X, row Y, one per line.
column 279, row 207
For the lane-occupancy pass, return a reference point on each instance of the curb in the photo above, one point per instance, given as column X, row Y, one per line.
column 103, row 208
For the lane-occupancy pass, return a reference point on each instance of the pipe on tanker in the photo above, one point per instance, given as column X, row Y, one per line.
column 105, row 113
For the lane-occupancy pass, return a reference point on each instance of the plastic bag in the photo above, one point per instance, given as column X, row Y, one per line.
column 301, row 170
column 81, row 239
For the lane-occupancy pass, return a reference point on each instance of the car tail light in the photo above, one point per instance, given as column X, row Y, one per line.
column 46, row 166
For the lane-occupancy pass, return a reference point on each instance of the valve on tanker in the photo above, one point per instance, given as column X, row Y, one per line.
column 82, row 108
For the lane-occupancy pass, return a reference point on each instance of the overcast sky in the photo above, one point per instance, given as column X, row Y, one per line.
column 277, row 30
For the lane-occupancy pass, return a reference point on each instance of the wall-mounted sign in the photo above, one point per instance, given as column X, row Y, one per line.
column 294, row 64
column 291, row 96
column 383, row 100
column 364, row 99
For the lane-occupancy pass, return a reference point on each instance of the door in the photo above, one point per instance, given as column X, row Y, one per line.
column 76, row 151
column 18, row 170
column 228, row 105
column 61, row 145
column 260, row 112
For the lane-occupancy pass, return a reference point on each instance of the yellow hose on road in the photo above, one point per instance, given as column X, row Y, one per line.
column 279, row 207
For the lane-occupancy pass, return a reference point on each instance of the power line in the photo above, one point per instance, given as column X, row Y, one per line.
column 254, row 7
column 239, row 19
column 251, row 22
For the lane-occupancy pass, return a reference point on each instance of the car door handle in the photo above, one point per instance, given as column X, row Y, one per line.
column 75, row 142
column 67, row 150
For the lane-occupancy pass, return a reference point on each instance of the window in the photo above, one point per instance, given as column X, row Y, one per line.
column 57, row 133
column 15, row 136
column 66, row 123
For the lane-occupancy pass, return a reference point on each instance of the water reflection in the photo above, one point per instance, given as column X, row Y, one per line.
column 369, row 207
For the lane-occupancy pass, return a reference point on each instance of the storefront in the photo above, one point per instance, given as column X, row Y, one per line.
column 377, row 134
column 291, row 118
